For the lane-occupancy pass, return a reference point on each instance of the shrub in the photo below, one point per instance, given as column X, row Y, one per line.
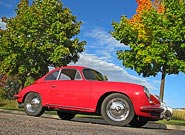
column 10, row 88
column 2, row 92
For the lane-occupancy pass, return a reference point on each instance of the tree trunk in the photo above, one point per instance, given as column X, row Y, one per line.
column 161, row 96
column 23, row 80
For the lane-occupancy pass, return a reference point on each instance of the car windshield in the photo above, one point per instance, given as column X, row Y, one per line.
column 91, row 74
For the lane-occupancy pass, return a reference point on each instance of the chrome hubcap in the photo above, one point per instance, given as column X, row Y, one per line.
column 33, row 105
column 118, row 109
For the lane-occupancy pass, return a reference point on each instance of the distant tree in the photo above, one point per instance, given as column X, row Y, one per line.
column 156, row 37
column 40, row 35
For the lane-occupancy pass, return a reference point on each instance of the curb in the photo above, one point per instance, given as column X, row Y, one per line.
column 161, row 126
column 175, row 127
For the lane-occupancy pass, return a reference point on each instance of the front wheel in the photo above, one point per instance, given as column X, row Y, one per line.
column 33, row 104
column 117, row 109
column 65, row 115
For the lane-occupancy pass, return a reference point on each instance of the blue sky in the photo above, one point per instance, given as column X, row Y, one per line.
column 97, row 17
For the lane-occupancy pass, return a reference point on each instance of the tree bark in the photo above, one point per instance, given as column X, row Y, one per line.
column 161, row 96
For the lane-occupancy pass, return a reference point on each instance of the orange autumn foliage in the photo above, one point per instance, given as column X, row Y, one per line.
column 143, row 5
column 159, row 6
column 146, row 5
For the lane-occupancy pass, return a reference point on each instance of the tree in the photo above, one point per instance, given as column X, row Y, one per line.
column 156, row 37
column 40, row 35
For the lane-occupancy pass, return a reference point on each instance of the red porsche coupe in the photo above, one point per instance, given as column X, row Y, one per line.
column 71, row 90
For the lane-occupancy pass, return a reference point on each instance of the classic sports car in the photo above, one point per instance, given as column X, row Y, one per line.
column 75, row 89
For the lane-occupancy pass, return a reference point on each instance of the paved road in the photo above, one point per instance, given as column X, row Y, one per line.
column 19, row 124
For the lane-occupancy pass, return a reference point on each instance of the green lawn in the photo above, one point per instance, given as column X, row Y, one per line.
column 8, row 104
column 172, row 122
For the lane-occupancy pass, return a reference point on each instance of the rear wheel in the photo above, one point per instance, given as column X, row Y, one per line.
column 33, row 104
column 117, row 109
column 65, row 115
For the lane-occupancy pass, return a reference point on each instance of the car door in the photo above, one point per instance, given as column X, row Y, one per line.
column 70, row 91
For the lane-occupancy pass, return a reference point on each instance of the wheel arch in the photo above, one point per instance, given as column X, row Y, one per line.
column 25, row 95
column 98, row 107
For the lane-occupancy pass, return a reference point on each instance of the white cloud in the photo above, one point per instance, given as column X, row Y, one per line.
column 103, row 44
column 5, row 4
column 114, row 73
column 2, row 24
column 156, row 81
column 104, row 38
column 101, row 55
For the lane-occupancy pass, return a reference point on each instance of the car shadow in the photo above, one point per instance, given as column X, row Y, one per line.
column 99, row 120
column 88, row 119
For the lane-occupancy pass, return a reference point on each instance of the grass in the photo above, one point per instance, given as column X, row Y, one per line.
column 88, row 116
column 8, row 104
column 177, row 119
column 172, row 122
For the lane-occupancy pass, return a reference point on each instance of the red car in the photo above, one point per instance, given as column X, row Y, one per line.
column 71, row 90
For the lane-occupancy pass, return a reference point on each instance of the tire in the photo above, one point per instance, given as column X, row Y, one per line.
column 117, row 110
column 136, row 122
column 65, row 116
column 33, row 105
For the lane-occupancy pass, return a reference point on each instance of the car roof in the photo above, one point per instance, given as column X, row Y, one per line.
column 75, row 67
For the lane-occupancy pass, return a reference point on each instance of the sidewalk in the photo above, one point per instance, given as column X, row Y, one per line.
column 149, row 125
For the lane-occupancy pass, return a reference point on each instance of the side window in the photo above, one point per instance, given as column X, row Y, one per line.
column 88, row 74
column 69, row 74
column 52, row 76
column 64, row 77
column 77, row 76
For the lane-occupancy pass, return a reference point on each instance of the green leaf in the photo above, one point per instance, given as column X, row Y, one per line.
column 41, row 34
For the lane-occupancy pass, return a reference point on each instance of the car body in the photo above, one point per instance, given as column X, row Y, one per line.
column 76, row 89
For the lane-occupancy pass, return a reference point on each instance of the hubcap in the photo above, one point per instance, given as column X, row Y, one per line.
column 33, row 105
column 118, row 109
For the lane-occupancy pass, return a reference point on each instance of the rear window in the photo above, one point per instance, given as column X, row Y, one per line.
column 52, row 76
column 91, row 74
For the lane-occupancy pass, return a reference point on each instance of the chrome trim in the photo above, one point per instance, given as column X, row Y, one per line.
column 118, row 110
column 59, row 74
column 67, row 107
column 33, row 105
column 147, row 94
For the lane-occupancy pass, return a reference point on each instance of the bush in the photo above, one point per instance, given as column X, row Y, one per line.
column 10, row 88
column 10, row 85
column 2, row 92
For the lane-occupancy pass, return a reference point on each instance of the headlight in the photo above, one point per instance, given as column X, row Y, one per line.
column 147, row 94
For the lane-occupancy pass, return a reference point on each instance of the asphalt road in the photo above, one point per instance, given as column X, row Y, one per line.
column 20, row 124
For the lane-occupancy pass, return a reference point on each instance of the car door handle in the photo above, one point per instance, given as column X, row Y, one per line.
column 53, row 86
